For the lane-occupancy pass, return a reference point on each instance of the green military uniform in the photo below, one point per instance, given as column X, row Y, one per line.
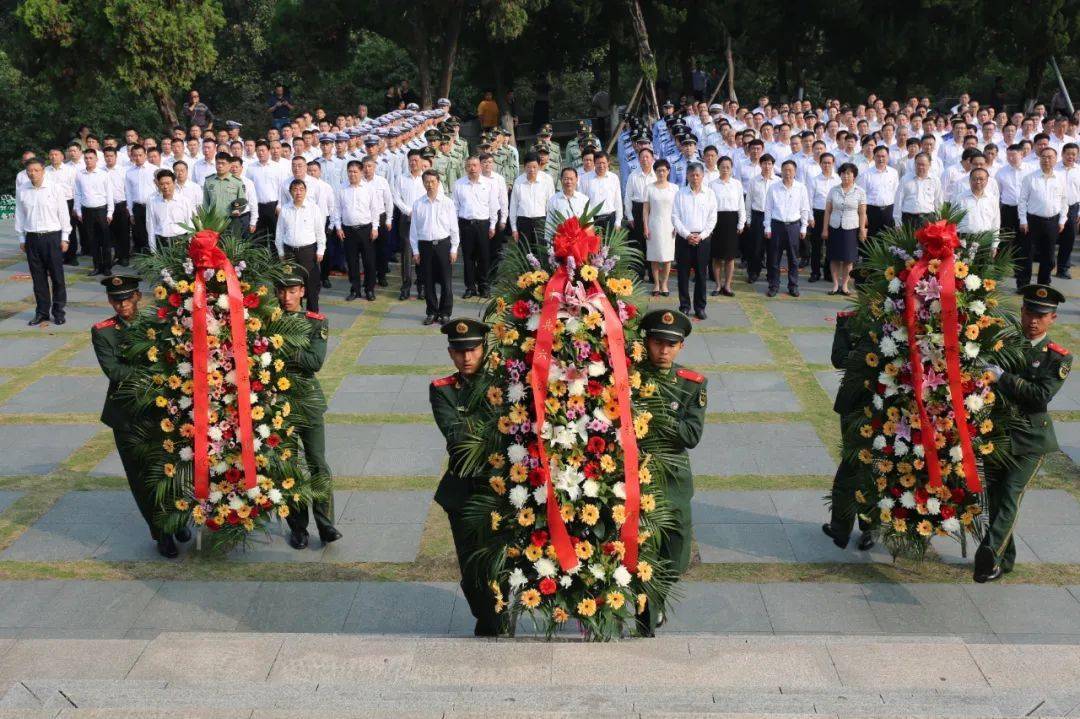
column 543, row 139
column 690, row 391
column 847, row 346
column 106, row 337
column 1031, row 389
column 447, row 396
column 219, row 193
column 306, row 363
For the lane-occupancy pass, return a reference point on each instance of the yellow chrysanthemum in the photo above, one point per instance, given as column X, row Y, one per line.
column 496, row 519
column 160, row 292
column 642, row 600
column 283, row 511
column 989, row 285
column 872, row 359
column 495, row 395
column 566, row 512
column 161, row 401
column 586, row 607
column 257, row 413
column 648, row 502
column 288, row 483
column 498, row 485
column 283, row 383
column 618, row 514
column 168, row 445
column 971, row 332
column 526, row 517
column 182, row 505
column 168, row 469
column 518, row 473
column 254, row 324
column 530, row 598
column 607, row 463
column 277, row 340
column 589, row 514
column 645, row 475
column 152, row 354
column 589, row 273
column 899, row 525
column 986, row 427
column 924, row 528
column 583, row 550
column 167, row 425
column 644, row 571
column 559, row 615
column 533, row 552
column 987, row 448
column 616, row 600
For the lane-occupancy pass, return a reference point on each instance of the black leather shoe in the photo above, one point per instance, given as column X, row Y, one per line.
column 985, row 563
column 59, row 320
column 838, row 541
column 771, row 293
column 714, row 293
column 298, row 540
column 752, row 278
column 381, row 282
column 351, row 296
column 326, row 284
column 369, row 296
column 814, row 278
column 1064, row 274
column 700, row 314
column 485, row 294
column 166, row 547
column 71, row 263
column 684, row 309
column 429, row 320
column 794, row 292
column 403, row 295
column 866, row 542
column 468, row 294
column 38, row 319
column 183, row 534
column 330, row 534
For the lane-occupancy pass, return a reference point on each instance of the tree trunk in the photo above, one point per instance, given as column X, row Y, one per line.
column 1036, row 68
column 645, row 53
column 730, row 57
column 456, row 11
column 422, row 56
column 166, row 107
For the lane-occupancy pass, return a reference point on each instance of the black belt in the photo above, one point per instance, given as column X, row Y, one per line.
column 356, row 227
column 42, row 234
column 301, row 247
column 95, row 209
column 476, row 221
column 435, row 242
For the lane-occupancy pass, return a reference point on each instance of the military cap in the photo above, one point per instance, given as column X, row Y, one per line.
column 715, row 107
column 393, row 132
column 442, row 102
column 666, row 324
column 453, row 122
column 444, row 137
column 668, row 104
column 121, row 285
column 503, row 131
column 233, row 124
column 325, row 137
column 342, row 137
column 1042, row 299
column 412, row 106
column 544, row 132
column 484, row 146
column 688, row 140
column 464, row 334
column 427, row 153
column 371, row 141
column 431, row 133
column 292, row 275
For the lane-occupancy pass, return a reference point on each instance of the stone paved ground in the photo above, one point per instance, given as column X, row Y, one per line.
column 75, row 562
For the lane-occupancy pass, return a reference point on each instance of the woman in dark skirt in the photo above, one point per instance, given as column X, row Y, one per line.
column 845, row 227
column 730, row 220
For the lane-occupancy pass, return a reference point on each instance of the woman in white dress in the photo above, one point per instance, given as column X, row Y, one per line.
column 659, row 227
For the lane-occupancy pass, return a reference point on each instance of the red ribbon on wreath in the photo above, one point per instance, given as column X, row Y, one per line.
column 206, row 255
column 939, row 240
column 574, row 241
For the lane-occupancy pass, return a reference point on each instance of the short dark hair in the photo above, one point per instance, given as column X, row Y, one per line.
column 430, row 173
column 179, row 162
column 785, row 163
column 662, row 163
column 767, row 158
column 223, row 156
column 530, row 157
column 164, row 173
column 567, row 169
column 297, row 183
column 848, row 167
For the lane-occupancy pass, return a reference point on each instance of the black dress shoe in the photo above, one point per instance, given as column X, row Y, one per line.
column 429, row 320
column 182, row 535
column 752, row 278
column 468, row 294
column 727, row 293
column 985, row 563
column 714, row 293
column 326, row 284
column 71, row 263
column 298, row 540
column 403, row 295
column 485, row 629
column 771, row 292
column 814, row 278
column 866, row 542
column 369, row 296
column 59, row 320
column 38, row 319
column 485, row 294
column 794, row 292
column 684, row 309
column 381, row 282
column 1064, row 274
column 351, row 296
column 94, row 273
column 329, row 534
column 838, row 541
column 166, row 547
column 700, row 314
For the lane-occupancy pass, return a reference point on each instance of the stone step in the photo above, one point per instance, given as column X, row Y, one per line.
column 215, row 698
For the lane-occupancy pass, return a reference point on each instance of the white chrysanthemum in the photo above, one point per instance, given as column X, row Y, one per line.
column 974, row 402
column 591, row 488
column 220, row 468
column 533, row 322
column 517, row 578
column 235, row 502
column 223, row 302
column 214, row 433
column 539, row 495
column 597, row 369
column 518, row 494
column 265, row 359
column 900, row 334
column 895, row 286
column 263, row 430
column 977, row 307
column 516, row 452
column 889, row 305
column 565, row 581
column 918, row 450
column 572, row 324
column 187, row 304
column 184, row 369
column 187, row 454
column 901, row 447
column 956, row 453
column 952, row 524
column 597, row 570
column 619, row 490
column 888, row 346
column 515, row 392
column 214, row 497
column 576, row 387
column 971, row 350
column 879, row 442
column 878, row 402
column 907, row 499
column 933, row 505
column 545, row 567
column 274, row 495
column 937, row 337
column 184, row 402
column 621, row 576
column 972, row 282
column 885, row 503
column 886, row 379
column 254, row 491
column 935, row 307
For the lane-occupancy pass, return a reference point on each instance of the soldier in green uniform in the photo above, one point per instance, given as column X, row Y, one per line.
column 106, row 336
column 1031, row 388
column 448, row 404
column 460, row 144
column 223, row 193
column 543, row 139
column 665, row 331
column 513, row 162
column 306, row 362
column 572, row 153
column 848, row 345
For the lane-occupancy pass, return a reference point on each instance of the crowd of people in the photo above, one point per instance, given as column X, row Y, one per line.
column 778, row 189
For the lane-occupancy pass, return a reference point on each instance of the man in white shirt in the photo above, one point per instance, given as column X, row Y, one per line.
column 880, row 183
column 757, row 188
column 917, row 196
column 408, row 187
column 1010, row 180
column 205, row 166
column 434, row 239
column 818, row 188
column 1043, row 213
column 185, row 186
column 301, row 235
column 634, row 200
column 694, row 217
column 93, row 208
column 528, row 203
column 605, row 193
column 43, row 223
column 140, row 184
column 478, row 213
column 356, row 225
column 120, row 227
column 567, row 202
column 62, row 175
column 1070, row 170
column 983, row 213
column 267, row 177
column 167, row 213
column 787, row 216
column 385, row 197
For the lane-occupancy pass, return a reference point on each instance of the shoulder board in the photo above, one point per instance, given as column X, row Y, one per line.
column 1053, row 347
column 443, row 381
column 690, row 375
column 845, row 313
column 105, row 324
column 315, row 316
